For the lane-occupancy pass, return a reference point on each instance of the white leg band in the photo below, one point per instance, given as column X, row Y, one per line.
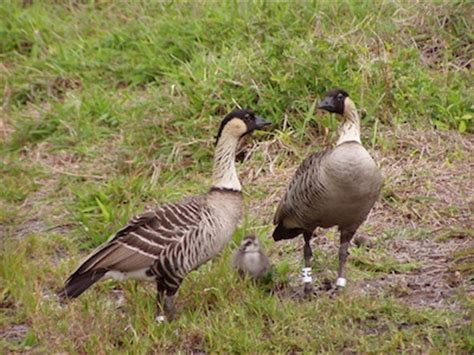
column 306, row 275
column 160, row 319
column 341, row 282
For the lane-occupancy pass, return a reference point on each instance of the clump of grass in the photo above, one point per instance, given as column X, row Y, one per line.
column 378, row 261
column 464, row 262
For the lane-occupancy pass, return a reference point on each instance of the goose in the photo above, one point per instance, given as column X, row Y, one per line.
column 250, row 259
column 333, row 187
column 163, row 245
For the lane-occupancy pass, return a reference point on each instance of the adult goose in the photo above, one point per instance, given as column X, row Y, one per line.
column 333, row 187
column 165, row 244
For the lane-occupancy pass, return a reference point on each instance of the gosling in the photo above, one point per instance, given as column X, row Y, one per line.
column 250, row 259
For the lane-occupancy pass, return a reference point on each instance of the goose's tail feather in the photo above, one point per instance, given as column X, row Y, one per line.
column 78, row 283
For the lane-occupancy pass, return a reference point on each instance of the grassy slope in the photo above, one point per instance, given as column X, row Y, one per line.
column 109, row 107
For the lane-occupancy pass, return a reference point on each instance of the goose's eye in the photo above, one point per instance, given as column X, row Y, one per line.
column 340, row 97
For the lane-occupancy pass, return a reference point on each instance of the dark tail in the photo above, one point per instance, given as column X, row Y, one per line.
column 281, row 232
column 77, row 284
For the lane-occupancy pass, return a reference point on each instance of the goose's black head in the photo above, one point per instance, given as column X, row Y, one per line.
column 334, row 101
column 241, row 122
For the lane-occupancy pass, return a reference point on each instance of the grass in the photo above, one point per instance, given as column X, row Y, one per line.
column 109, row 107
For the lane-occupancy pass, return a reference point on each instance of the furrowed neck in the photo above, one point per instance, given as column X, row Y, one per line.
column 224, row 173
column 349, row 130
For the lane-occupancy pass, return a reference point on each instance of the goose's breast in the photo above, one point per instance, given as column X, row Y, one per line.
column 227, row 211
column 351, row 171
column 353, row 183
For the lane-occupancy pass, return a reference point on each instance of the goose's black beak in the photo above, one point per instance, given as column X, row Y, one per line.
column 327, row 104
column 260, row 122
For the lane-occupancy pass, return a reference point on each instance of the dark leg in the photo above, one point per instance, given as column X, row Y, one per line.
column 160, row 309
column 346, row 237
column 169, row 305
column 308, row 253
column 165, row 311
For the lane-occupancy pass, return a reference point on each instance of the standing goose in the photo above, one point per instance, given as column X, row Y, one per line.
column 165, row 244
column 333, row 187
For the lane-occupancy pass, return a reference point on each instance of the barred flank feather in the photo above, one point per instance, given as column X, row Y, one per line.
column 302, row 193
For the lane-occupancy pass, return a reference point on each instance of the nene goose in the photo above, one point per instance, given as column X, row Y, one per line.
column 333, row 187
column 250, row 259
column 165, row 244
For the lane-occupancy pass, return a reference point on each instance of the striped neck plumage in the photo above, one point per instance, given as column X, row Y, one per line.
column 349, row 130
column 224, row 174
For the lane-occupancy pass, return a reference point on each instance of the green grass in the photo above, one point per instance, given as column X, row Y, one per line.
column 108, row 107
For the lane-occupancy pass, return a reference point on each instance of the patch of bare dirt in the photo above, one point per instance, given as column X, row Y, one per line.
column 14, row 333
column 425, row 209
column 428, row 181
column 34, row 212
column 433, row 284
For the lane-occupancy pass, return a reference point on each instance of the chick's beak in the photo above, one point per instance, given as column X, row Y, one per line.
column 260, row 122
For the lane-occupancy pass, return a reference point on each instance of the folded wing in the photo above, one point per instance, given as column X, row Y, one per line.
column 138, row 245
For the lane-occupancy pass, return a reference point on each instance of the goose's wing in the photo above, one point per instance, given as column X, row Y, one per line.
column 145, row 237
column 305, row 178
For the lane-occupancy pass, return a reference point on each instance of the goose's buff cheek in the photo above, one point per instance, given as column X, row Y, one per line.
column 235, row 127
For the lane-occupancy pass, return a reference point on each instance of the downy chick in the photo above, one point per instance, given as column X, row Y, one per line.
column 250, row 258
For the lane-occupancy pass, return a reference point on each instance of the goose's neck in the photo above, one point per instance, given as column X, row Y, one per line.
column 224, row 173
column 349, row 130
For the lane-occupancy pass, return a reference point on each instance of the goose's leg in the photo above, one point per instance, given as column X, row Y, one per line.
column 160, row 303
column 346, row 237
column 165, row 303
column 308, row 253
column 160, row 297
column 169, row 305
